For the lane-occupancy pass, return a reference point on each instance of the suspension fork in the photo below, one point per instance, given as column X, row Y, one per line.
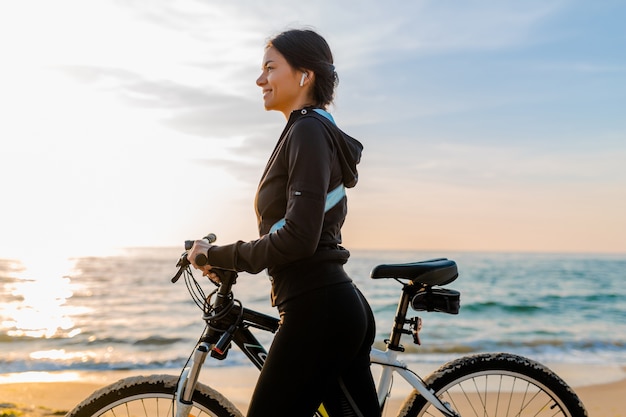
column 189, row 379
column 237, row 333
column 214, row 343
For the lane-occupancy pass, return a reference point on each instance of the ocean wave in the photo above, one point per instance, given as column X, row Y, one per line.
column 88, row 342
column 488, row 307
column 158, row 341
column 88, row 365
column 534, row 345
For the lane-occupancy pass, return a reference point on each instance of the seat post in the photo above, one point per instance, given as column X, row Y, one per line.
column 400, row 320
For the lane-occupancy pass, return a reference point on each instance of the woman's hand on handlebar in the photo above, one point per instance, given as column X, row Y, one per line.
column 201, row 247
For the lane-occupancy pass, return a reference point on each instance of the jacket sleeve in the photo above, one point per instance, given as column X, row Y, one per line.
column 310, row 155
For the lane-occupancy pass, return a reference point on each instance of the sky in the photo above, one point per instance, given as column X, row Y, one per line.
column 487, row 125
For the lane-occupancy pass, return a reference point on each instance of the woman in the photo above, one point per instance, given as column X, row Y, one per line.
column 301, row 206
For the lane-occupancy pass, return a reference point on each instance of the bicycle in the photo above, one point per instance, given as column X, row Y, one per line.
column 487, row 384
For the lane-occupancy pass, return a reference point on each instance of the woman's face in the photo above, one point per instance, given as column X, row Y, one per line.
column 281, row 84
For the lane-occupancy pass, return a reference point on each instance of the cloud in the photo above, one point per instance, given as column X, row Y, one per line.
column 228, row 38
column 141, row 91
column 189, row 109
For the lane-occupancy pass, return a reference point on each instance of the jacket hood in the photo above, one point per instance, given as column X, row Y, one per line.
column 350, row 151
column 348, row 148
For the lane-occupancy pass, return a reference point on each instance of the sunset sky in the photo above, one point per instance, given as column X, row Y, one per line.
column 487, row 125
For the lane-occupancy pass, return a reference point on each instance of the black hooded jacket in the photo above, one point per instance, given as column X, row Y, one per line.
column 312, row 157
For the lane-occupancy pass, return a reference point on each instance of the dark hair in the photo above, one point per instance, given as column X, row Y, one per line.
column 304, row 49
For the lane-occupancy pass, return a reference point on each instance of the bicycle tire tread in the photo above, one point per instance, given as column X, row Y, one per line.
column 504, row 362
column 153, row 384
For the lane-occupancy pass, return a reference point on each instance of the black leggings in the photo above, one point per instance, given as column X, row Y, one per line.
column 320, row 354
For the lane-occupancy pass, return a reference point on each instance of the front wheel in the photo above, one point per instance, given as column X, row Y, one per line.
column 151, row 396
column 496, row 384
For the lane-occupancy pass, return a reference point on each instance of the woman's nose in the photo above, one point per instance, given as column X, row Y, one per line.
column 260, row 81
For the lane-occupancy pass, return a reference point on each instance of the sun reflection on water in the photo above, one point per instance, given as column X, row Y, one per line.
column 37, row 293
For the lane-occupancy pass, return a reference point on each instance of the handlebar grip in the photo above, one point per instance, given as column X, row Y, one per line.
column 211, row 238
column 201, row 259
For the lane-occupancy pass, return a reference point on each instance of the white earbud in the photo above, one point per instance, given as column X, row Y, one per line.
column 302, row 79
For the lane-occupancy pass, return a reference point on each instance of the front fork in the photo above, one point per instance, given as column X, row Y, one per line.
column 188, row 380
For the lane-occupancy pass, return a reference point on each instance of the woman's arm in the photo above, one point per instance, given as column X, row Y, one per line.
column 309, row 155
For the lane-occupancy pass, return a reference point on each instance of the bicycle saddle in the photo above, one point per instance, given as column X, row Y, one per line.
column 432, row 272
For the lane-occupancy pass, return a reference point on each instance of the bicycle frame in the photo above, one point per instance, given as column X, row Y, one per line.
column 256, row 353
column 388, row 359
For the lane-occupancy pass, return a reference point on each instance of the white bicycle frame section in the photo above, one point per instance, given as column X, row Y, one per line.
column 388, row 359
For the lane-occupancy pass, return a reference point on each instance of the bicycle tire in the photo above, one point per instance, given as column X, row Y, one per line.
column 151, row 396
column 496, row 384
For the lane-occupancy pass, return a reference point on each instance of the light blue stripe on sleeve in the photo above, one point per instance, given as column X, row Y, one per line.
column 332, row 199
column 278, row 225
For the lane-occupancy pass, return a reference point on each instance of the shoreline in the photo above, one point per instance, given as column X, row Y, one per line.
column 35, row 394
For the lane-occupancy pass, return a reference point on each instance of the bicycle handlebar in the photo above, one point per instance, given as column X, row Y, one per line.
column 227, row 277
column 201, row 259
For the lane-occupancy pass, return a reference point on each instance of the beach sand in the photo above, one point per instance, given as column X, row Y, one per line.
column 601, row 388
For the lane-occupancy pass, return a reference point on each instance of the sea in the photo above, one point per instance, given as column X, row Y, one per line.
column 122, row 312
